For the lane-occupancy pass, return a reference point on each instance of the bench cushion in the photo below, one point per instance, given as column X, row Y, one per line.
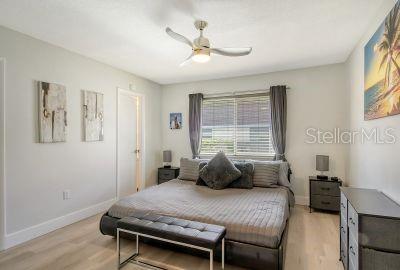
column 175, row 229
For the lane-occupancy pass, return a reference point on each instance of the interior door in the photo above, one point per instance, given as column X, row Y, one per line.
column 127, row 143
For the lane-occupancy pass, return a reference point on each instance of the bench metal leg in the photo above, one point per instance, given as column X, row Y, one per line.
column 121, row 264
column 211, row 259
column 223, row 253
column 118, row 249
column 137, row 244
column 133, row 258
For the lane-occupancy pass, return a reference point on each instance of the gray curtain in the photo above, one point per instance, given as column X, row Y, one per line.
column 278, row 120
column 195, row 103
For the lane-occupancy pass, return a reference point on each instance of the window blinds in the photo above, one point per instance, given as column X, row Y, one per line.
column 239, row 126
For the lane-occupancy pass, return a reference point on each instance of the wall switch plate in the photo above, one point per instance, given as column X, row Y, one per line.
column 66, row 194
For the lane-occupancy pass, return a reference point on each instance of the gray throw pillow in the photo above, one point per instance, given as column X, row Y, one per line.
column 219, row 172
column 200, row 181
column 266, row 174
column 246, row 179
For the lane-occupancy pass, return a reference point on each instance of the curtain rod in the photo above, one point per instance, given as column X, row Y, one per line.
column 239, row 93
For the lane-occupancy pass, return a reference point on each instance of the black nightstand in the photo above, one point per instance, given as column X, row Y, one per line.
column 324, row 194
column 166, row 174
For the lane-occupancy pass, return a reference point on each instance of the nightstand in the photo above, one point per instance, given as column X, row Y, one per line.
column 324, row 194
column 166, row 174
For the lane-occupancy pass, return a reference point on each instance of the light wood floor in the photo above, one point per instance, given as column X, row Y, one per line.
column 313, row 243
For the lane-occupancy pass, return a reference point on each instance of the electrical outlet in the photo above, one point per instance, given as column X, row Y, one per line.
column 66, row 194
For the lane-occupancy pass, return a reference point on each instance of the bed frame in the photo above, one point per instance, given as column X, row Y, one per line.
column 236, row 253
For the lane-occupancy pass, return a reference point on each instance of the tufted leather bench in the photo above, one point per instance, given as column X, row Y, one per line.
column 177, row 231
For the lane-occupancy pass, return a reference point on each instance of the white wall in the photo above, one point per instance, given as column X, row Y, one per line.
column 317, row 98
column 371, row 165
column 37, row 174
column 2, row 174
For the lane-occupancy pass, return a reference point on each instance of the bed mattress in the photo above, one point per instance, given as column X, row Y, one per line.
column 255, row 216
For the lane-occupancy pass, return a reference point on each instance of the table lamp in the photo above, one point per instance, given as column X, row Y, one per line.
column 167, row 158
column 322, row 165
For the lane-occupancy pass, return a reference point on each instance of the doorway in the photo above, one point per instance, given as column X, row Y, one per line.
column 130, row 150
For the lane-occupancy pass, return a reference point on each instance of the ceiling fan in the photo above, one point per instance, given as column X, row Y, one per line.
column 201, row 49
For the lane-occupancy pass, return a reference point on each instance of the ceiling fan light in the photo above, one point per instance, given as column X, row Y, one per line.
column 201, row 57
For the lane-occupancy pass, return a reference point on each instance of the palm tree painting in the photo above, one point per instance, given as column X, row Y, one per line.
column 382, row 69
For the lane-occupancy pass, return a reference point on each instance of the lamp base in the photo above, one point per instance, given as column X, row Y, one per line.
column 322, row 177
column 167, row 166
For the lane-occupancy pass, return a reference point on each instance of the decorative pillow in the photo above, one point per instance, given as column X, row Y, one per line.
column 246, row 179
column 219, row 172
column 200, row 181
column 189, row 169
column 283, row 179
column 266, row 174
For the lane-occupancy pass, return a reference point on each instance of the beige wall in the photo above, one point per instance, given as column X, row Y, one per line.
column 371, row 165
column 37, row 174
column 317, row 98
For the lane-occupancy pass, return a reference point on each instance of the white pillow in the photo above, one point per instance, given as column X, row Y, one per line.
column 283, row 173
column 283, row 179
column 266, row 174
column 189, row 169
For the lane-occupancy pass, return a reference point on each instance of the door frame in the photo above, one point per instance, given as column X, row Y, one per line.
column 141, row 173
column 2, row 155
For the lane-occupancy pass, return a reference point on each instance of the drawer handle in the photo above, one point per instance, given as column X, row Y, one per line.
column 352, row 221
column 326, row 203
column 352, row 250
column 343, row 230
column 325, row 188
column 342, row 205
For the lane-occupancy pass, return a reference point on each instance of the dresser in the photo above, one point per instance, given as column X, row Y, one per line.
column 369, row 230
column 166, row 174
column 324, row 194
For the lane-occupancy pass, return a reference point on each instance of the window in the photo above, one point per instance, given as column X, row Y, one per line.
column 239, row 126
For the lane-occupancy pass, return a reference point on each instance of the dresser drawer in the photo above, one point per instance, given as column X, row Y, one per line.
column 352, row 220
column 343, row 230
column 380, row 233
column 373, row 259
column 166, row 174
column 343, row 206
column 160, row 181
column 325, row 202
column 351, row 265
column 343, row 254
column 353, row 251
column 325, row 188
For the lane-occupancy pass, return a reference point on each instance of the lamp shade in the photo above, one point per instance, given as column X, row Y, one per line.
column 322, row 163
column 167, row 156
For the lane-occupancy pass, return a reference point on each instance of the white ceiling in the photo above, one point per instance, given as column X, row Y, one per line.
column 130, row 34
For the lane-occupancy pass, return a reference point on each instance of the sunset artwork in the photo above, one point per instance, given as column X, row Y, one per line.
column 382, row 69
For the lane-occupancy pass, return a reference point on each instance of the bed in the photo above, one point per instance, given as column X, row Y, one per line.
column 256, row 219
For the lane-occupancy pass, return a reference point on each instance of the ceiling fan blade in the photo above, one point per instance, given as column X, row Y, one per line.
column 178, row 37
column 232, row 51
column 187, row 60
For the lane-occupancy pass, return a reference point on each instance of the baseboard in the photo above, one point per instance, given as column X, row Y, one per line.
column 30, row 233
column 302, row 200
